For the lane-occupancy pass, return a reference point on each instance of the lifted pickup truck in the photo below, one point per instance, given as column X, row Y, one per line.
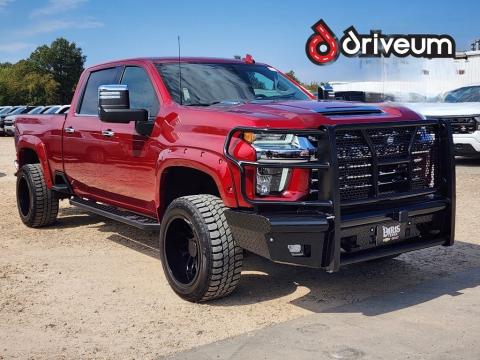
column 226, row 155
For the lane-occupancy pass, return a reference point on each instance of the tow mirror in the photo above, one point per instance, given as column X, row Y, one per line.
column 114, row 105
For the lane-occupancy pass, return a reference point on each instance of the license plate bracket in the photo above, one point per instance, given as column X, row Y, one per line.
column 390, row 232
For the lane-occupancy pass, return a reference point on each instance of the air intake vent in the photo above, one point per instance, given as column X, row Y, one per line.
column 350, row 111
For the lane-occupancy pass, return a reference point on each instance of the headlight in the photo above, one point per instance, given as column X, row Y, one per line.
column 277, row 148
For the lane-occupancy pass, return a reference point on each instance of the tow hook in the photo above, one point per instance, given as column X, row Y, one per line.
column 15, row 163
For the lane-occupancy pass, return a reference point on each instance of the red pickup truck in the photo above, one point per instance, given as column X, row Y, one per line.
column 222, row 156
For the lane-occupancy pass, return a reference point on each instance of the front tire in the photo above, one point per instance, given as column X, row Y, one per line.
column 37, row 205
column 199, row 256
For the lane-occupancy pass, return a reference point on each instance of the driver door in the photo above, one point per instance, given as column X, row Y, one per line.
column 128, row 172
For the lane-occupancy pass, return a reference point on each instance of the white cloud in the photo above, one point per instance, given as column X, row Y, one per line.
column 4, row 3
column 14, row 47
column 55, row 25
column 56, row 7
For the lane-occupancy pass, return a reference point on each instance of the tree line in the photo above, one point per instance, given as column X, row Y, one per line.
column 311, row 86
column 48, row 76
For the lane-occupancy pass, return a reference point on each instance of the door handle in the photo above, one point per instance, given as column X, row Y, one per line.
column 108, row 133
column 69, row 130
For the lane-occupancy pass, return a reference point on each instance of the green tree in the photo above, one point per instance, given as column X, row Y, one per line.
column 21, row 84
column 64, row 61
column 40, row 89
column 313, row 86
column 291, row 75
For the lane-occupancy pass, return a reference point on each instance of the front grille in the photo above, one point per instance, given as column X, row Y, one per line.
column 375, row 163
column 463, row 125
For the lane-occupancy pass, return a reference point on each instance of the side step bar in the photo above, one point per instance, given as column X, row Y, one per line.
column 111, row 212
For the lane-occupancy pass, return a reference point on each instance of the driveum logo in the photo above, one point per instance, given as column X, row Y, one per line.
column 323, row 47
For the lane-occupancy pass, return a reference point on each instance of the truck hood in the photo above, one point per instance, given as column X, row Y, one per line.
column 315, row 113
column 445, row 109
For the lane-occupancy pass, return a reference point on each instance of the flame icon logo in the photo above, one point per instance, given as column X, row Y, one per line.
column 322, row 45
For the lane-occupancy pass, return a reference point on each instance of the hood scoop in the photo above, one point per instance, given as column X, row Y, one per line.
column 350, row 111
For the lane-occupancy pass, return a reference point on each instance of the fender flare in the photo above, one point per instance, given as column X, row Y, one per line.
column 33, row 143
column 213, row 164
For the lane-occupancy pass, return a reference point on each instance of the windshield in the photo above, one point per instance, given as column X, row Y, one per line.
column 36, row 110
column 205, row 84
column 52, row 110
column 17, row 111
column 5, row 110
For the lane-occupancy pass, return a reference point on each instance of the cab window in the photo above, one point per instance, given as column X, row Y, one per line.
column 141, row 91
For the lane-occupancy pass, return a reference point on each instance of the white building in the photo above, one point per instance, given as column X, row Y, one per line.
column 429, row 77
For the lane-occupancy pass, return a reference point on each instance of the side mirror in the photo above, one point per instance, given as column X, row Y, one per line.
column 114, row 105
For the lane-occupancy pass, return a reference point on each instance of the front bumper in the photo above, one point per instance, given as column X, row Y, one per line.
column 327, row 230
column 467, row 144
column 273, row 235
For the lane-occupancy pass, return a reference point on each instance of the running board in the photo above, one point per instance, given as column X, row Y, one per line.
column 111, row 212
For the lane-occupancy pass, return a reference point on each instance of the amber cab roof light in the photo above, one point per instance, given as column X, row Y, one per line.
column 249, row 59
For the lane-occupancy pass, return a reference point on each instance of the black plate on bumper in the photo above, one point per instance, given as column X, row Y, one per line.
column 390, row 232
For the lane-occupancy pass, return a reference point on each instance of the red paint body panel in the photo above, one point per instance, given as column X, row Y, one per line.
column 126, row 170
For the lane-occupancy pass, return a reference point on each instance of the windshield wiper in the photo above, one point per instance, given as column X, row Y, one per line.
column 275, row 97
column 202, row 104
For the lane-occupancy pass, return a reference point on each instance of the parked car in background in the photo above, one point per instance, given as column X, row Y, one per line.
column 462, row 108
column 5, row 109
column 46, row 108
column 10, row 118
column 9, row 122
column 57, row 109
column 63, row 110
column 5, row 112
column 36, row 110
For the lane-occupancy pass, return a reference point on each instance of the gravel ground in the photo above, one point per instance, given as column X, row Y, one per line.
column 92, row 288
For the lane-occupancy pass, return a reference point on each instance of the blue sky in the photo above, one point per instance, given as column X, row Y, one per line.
column 272, row 31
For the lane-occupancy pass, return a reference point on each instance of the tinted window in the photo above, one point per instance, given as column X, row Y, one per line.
column 208, row 84
column 90, row 96
column 142, row 94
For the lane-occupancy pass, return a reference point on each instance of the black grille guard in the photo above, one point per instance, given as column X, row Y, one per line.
column 327, row 197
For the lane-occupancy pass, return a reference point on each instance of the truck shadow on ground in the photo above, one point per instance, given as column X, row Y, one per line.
column 314, row 289
column 468, row 162
column 353, row 283
column 2, row 174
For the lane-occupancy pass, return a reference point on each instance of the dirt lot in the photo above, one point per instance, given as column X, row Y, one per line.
column 93, row 288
